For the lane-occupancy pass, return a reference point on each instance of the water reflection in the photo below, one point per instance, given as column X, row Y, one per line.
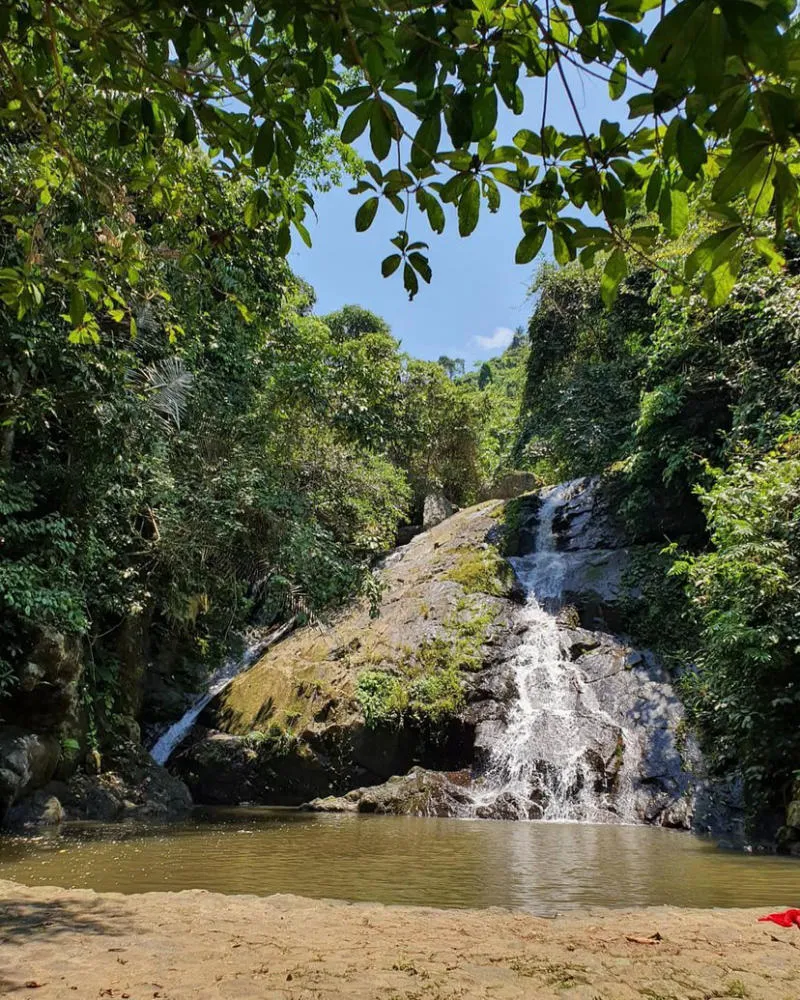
column 541, row 867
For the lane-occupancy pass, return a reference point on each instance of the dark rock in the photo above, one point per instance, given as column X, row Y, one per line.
column 223, row 769
column 131, row 785
column 506, row 807
column 408, row 531
column 27, row 761
column 47, row 698
column 418, row 793
column 39, row 809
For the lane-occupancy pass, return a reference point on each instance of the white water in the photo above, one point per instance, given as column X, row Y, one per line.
column 539, row 766
column 219, row 680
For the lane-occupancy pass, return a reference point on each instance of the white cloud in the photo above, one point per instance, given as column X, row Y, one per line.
column 499, row 340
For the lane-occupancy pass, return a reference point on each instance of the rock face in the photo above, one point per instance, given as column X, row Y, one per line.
column 295, row 725
column 47, row 698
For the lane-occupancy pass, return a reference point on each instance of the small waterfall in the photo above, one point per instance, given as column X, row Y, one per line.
column 549, row 762
column 219, row 680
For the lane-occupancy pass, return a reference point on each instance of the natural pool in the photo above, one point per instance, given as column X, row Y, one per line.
column 542, row 867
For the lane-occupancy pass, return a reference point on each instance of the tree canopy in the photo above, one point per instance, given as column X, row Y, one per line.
column 712, row 110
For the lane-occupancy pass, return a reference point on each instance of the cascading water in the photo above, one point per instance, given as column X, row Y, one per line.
column 550, row 761
column 219, row 680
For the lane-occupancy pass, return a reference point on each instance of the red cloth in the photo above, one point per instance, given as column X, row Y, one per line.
column 786, row 919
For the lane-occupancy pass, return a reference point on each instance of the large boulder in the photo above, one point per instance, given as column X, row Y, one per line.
column 437, row 508
column 27, row 761
column 446, row 603
column 130, row 786
column 418, row 793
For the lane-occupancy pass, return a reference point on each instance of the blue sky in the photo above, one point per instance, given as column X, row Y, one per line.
column 478, row 295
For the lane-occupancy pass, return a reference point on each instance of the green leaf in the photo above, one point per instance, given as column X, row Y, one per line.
column 426, row 141
column 563, row 246
column 530, row 245
column 410, row 282
column 653, row 188
column 712, row 251
column 435, row 214
column 255, row 208
column 615, row 270
column 284, row 239
column 355, row 96
column 469, row 208
column 586, row 11
column 264, row 146
column 484, row 114
column 186, row 129
column 618, row 80
column 770, row 253
column 691, row 149
column 390, row 264
column 742, row 168
column 528, row 141
column 77, row 306
column 673, row 211
column 366, row 214
column 286, row 155
column 420, row 264
column 380, row 136
column 357, row 121
column 613, row 197
column 148, row 114
column 720, row 282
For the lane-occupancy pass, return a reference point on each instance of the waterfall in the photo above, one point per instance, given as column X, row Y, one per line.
column 219, row 680
column 550, row 760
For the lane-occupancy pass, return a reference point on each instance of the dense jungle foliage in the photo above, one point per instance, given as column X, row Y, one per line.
column 692, row 414
column 220, row 455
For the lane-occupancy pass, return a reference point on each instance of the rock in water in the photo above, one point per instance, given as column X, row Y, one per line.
column 27, row 761
column 418, row 793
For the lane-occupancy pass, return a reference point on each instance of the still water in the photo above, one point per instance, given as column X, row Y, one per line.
column 543, row 867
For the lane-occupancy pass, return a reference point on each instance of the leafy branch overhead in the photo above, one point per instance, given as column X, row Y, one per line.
column 707, row 91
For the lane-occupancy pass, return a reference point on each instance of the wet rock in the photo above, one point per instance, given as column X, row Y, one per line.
column 27, row 761
column 506, row 807
column 39, row 809
column 418, row 793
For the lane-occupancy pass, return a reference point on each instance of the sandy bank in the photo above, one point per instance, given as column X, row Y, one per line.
column 176, row 946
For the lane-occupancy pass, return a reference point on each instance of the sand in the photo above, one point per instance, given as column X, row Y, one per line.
column 176, row 946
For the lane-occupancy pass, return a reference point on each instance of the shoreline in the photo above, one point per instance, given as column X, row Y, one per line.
column 58, row 943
